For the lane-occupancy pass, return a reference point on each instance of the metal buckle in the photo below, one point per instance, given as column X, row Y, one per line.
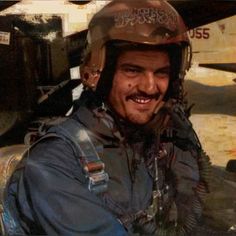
column 98, row 181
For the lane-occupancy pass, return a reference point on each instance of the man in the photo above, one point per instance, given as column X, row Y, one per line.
column 127, row 162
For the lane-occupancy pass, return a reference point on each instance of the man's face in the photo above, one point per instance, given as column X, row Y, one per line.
column 140, row 83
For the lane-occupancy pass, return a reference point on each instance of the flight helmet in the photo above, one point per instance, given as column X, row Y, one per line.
column 145, row 22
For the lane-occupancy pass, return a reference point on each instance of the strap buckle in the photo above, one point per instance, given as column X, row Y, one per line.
column 97, row 177
column 98, row 181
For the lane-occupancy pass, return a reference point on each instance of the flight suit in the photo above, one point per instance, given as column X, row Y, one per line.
column 50, row 194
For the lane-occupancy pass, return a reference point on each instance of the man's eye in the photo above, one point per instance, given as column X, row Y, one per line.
column 131, row 72
column 162, row 73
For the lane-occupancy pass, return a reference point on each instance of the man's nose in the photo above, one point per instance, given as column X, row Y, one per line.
column 148, row 83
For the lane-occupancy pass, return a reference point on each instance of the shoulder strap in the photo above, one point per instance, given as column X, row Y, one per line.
column 88, row 155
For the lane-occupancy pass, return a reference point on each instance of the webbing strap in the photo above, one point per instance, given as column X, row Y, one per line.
column 88, row 154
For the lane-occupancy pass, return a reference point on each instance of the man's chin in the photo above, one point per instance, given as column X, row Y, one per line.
column 139, row 119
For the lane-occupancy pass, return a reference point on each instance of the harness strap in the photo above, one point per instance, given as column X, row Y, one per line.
column 89, row 159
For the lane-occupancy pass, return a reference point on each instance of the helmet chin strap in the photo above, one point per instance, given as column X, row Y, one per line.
column 159, row 106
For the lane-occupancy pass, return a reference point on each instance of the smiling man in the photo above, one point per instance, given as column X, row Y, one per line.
column 127, row 162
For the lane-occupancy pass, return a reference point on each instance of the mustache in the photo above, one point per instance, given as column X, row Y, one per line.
column 143, row 95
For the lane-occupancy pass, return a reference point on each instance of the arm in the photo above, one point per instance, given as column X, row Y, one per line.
column 58, row 197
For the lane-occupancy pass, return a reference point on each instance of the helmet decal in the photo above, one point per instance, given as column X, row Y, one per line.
column 146, row 15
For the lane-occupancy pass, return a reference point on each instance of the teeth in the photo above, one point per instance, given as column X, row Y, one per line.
column 142, row 100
